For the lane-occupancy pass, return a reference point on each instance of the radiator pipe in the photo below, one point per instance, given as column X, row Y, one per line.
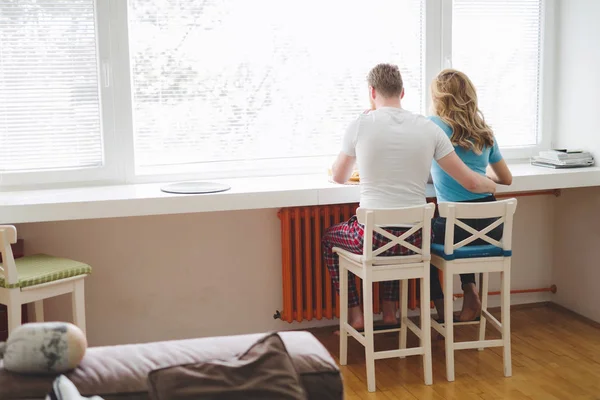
column 551, row 289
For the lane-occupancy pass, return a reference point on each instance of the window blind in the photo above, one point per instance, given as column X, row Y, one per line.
column 229, row 80
column 49, row 101
column 497, row 43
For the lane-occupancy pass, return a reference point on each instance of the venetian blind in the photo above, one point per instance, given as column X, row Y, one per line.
column 497, row 43
column 49, row 101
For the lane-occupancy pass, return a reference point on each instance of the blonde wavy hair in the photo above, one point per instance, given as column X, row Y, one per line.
column 455, row 102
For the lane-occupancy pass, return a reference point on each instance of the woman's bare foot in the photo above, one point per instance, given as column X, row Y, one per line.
column 471, row 303
column 389, row 312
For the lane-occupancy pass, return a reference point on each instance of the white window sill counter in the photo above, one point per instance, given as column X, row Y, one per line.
column 245, row 194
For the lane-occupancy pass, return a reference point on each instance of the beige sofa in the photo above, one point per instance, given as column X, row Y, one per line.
column 121, row 372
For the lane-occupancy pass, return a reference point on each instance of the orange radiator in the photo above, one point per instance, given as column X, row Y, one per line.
column 307, row 289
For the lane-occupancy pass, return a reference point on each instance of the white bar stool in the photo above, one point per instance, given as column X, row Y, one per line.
column 371, row 267
column 459, row 258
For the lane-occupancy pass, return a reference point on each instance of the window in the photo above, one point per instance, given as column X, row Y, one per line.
column 498, row 44
column 49, row 101
column 238, row 80
column 149, row 90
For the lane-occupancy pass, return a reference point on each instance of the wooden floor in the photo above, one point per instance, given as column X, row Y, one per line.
column 555, row 355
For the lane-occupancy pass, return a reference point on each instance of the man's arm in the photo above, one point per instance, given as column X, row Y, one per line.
column 499, row 173
column 344, row 164
column 342, row 168
column 468, row 178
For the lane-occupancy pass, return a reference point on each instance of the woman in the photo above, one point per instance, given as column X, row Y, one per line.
column 455, row 110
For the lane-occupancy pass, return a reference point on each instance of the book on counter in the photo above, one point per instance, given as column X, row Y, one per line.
column 563, row 154
column 562, row 158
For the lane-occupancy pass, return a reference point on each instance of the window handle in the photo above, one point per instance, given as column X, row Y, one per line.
column 106, row 72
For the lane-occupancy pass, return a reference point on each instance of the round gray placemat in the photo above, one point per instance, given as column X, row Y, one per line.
column 195, row 187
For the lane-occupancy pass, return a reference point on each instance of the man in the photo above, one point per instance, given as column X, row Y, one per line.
column 394, row 149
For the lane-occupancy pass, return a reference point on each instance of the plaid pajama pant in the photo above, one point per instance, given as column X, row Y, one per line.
column 349, row 236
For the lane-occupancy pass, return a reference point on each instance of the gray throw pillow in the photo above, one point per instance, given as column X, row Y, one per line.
column 263, row 372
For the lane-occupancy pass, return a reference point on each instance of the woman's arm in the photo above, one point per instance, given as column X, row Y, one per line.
column 499, row 173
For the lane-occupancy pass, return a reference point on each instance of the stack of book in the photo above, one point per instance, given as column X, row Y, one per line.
column 563, row 159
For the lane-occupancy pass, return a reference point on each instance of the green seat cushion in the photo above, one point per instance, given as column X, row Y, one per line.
column 41, row 268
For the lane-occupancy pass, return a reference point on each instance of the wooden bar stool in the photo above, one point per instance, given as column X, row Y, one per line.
column 460, row 258
column 371, row 267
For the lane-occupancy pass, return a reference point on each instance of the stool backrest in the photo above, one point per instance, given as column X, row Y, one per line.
column 504, row 210
column 8, row 236
column 413, row 218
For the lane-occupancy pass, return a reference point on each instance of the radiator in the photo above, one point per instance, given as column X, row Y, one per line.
column 307, row 290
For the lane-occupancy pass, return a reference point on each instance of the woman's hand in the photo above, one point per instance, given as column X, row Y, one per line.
column 492, row 186
column 499, row 173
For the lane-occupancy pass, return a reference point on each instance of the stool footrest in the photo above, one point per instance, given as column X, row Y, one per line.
column 414, row 328
column 478, row 344
column 492, row 320
column 462, row 323
column 437, row 326
column 414, row 351
column 354, row 333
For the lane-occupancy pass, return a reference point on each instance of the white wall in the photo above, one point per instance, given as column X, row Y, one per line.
column 169, row 277
column 181, row 276
column 577, row 251
column 577, row 240
column 577, row 114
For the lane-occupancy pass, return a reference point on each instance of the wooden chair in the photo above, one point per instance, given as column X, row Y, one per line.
column 460, row 258
column 31, row 279
column 372, row 267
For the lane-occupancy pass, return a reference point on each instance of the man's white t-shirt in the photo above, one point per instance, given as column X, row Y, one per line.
column 394, row 149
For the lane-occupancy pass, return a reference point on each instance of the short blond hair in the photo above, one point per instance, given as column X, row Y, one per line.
column 386, row 79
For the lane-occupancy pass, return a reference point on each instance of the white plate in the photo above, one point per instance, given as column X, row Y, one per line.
column 195, row 187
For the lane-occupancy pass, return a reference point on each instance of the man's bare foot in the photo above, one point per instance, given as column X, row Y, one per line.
column 356, row 318
column 471, row 303
column 389, row 313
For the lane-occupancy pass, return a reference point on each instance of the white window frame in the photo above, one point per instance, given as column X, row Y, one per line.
column 116, row 20
column 108, row 172
column 117, row 103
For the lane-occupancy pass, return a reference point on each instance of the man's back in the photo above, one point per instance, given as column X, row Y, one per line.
column 394, row 149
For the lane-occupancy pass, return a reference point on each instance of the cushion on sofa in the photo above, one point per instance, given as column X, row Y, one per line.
column 263, row 372
column 121, row 372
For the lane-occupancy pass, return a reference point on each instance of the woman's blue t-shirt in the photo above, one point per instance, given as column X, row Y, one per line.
column 446, row 188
